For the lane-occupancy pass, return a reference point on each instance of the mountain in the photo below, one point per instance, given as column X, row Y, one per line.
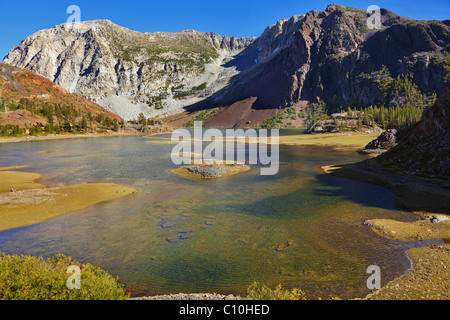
column 35, row 102
column 129, row 72
column 329, row 55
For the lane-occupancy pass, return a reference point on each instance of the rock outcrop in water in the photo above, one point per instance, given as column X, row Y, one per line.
column 206, row 171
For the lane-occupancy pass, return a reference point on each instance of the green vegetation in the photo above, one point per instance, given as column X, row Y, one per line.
column 411, row 101
column 277, row 120
column 261, row 292
column 191, row 50
column 32, row 278
column 60, row 118
column 144, row 122
column 11, row 131
column 204, row 116
column 273, row 122
column 188, row 93
column 315, row 112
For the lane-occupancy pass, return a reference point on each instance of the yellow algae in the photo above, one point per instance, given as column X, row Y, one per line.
column 357, row 140
column 13, row 168
column 162, row 142
column 24, row 202
column 28, row 207
column 411, row 231
column 13, row 180
column 224, row 139
column 50, row 151
column 330, row 169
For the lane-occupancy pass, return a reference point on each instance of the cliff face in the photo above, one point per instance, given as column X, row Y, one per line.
column 334, row 56
column 425, row 150
column 329, row 54
column 128, row 72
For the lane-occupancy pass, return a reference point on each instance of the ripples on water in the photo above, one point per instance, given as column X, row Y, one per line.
column 299, row 228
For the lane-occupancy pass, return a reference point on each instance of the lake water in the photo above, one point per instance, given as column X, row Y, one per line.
column 299, row 228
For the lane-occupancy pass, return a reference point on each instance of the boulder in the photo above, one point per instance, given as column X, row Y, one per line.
column 386, row 139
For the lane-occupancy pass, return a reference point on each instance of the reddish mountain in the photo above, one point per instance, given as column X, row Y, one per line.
column 34, row 101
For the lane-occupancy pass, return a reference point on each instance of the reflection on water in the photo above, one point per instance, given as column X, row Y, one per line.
column 299, row 228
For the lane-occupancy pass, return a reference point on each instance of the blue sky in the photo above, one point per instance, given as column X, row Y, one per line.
column 19, row 19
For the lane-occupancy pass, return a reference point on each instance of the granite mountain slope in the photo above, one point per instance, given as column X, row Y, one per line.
column 129, row 72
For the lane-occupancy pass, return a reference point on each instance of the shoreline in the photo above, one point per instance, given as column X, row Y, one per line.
column 64, row 136
column 414, row 194
column 427, row 279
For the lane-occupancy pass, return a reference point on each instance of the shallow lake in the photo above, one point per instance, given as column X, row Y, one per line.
column 299, row 228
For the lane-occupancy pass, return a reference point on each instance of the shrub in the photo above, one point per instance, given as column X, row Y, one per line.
column 262, row 292
column 33, row 278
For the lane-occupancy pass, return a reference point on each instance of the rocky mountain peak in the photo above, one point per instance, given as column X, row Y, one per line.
column 128, row 72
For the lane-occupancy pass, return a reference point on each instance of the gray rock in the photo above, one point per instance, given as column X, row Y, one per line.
column 386, row 139
column 211, row 171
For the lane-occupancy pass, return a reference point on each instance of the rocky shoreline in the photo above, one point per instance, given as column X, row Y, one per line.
column 192, row 296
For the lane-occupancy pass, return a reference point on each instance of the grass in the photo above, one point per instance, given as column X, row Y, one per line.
column 36, row 278
column 204, row 117
column 427, row 281
column 261, row 292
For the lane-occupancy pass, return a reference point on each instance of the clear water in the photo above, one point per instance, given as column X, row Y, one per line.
column 181, row 235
